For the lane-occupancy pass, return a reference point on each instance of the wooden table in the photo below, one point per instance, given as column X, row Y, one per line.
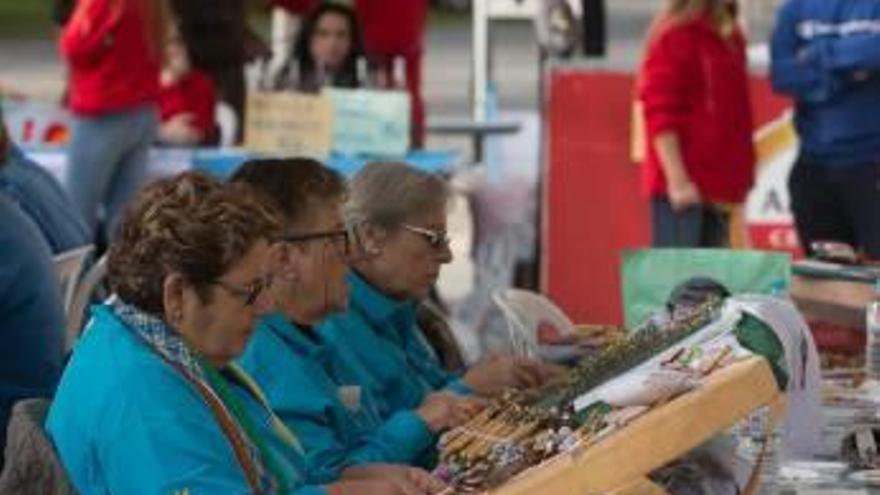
column 620, row 462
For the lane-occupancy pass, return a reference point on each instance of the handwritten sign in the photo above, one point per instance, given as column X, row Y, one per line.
column 370, row 122
column 290, row 123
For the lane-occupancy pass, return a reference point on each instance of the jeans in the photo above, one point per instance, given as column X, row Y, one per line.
column 696, row 226
column 108, row 160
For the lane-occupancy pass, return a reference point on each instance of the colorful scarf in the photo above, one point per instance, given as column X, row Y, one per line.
column 260, row 464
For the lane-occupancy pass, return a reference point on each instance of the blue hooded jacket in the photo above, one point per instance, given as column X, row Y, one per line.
column 826, row 56
column 380, row 335
column 317, row 396
column 125, row 422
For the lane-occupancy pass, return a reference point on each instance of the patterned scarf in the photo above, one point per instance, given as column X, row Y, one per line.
column 165, row 341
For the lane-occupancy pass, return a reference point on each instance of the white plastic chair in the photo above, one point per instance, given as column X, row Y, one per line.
column 81, row 298
column 525, row 312
column 69, row 266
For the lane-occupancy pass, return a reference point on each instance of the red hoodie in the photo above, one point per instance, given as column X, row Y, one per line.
column 299, row 7
column 392, row 27
column 695, row 83
column 112, row 65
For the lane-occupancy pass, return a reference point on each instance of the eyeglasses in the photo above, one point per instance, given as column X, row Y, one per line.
column 344, row 240
column 248, row 293
column 436, row 238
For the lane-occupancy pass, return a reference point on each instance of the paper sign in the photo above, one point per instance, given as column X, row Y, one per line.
column 289, row 123
column 370, row 122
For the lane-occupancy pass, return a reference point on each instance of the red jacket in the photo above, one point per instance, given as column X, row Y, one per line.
column 392, row 27
column 193, row 93
column 299, row 7
column 112, row 66
column 695, row 83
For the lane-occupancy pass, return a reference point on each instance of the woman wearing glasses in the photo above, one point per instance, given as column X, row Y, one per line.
column 150, row 403
column 310, row 389
column 399, row 213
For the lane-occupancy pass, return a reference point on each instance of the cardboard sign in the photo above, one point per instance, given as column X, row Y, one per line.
column 289, row 123
column 370, row 122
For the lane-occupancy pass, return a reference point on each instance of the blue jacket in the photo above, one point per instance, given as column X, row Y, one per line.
column 380, row 335
column 305, row 385
column 125, row 422
column 821, row 49
column 31, row 315
column 40, row 196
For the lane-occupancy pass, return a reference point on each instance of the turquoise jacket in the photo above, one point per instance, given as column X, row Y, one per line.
column 317, row 396
column 380, row 335
column 125, row 422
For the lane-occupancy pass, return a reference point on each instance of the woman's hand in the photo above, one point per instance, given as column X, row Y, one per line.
column 404, row 478
column 445, row 410
column 500, row 372
column 682, row 194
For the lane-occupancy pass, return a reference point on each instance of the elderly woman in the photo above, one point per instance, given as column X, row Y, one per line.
column 312, row 391
column 149, row 403
column 400, row 216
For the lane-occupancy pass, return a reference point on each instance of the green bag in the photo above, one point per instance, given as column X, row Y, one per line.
column 649, row 275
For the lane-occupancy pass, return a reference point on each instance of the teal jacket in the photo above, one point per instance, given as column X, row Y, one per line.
column 124, row 422
column 380, row 335
column 317, row 396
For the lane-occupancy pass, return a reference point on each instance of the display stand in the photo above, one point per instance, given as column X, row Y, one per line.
column 620, row 462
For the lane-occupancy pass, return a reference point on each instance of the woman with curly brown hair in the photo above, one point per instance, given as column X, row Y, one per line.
column 150, row 402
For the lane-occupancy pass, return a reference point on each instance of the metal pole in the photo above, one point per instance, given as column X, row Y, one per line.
column 480, row 58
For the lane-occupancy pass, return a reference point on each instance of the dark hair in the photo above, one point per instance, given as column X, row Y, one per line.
column 291, row 185
column 189, row 224
column 347, row 76
column 695, row 291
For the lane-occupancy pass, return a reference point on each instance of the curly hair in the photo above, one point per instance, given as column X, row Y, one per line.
column 189, row 224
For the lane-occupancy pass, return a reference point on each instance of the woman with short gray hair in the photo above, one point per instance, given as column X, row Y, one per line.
column 399, row 212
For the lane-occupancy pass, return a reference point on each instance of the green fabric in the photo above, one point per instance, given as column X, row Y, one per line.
column 758, row 337
column 649, row 275
column 235, row 406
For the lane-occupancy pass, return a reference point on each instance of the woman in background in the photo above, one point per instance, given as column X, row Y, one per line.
column 327, row 50
column 693, row 87
column 114, row 51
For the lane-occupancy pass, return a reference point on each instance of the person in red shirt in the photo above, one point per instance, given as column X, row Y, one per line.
column 395, row 29
column 187, row 101
column 693, row 87
column 113, row 49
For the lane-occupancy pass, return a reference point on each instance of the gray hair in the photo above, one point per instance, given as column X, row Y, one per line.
column 388, row 194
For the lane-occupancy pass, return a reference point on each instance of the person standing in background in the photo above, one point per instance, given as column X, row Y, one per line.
column 113, row 49
column 395, row 29
column 693, row 87
column 221, row 43
column 824, row 55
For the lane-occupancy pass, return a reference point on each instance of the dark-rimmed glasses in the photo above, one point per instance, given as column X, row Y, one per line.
column 249, row 293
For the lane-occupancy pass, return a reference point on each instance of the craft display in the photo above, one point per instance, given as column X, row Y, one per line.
column 526, row 428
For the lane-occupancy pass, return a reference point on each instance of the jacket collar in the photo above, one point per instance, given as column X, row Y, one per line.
column 375, row 305
column 295, row 336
